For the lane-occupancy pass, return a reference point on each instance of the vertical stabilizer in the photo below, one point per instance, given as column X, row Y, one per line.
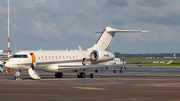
column 105, row 40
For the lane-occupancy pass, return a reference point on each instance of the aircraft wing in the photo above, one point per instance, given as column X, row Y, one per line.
column 76, row 67
column 1, row 63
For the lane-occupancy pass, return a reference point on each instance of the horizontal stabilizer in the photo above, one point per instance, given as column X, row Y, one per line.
column 128, row 31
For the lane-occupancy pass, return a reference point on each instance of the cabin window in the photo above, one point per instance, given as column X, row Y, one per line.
column 49, row 57
column 52, row 57
column 63, row 58
column 42, row 57
column 59, row 57
column 66, row 57
column 46, row 57
column 76, row 57
column 73, row 57
column 19, row 56
column 56, row 57
column 70, row 57
column 39, row 58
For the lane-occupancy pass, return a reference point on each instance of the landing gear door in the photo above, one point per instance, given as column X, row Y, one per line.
column 84, row 61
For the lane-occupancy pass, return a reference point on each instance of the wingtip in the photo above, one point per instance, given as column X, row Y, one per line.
column 146, row 31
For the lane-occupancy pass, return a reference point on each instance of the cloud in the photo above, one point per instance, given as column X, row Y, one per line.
column 42, row 1
column 153, row 3
column 68, row 22
column 117, row 2
column 80, row 13
column 3, row 10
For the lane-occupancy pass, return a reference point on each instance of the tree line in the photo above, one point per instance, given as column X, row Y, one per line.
column 154, row 55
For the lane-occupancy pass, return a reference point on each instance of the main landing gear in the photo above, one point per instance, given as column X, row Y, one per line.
column 79, row 75
column 120, row 71
column 59, row 75
column 83, row 75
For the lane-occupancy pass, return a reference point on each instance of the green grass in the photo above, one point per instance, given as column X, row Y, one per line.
column 154, row 66
column 176, row 61
column 128, row 60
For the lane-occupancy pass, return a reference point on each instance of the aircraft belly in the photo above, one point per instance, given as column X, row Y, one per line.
column 59, row 67
column 23, row 67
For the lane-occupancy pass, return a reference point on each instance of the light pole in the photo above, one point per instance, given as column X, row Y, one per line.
column 8, row 34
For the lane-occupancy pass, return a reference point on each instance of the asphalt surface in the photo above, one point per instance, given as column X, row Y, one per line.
column 103, row 87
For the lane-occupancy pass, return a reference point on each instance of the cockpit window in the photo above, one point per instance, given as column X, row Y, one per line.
column 19, row 56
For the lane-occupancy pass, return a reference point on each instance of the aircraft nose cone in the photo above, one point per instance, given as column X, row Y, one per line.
column 7, row 65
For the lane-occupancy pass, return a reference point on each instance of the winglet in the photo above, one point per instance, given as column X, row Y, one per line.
column 170, row 61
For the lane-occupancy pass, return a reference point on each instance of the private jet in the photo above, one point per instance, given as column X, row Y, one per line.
column 60, row 61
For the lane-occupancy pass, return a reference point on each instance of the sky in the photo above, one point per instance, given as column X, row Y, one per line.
column 62, row 24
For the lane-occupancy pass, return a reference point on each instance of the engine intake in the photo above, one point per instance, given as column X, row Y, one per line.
column 94, row 55
column 101, row 56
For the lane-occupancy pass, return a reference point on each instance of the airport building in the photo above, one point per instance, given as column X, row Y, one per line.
column 4, row 54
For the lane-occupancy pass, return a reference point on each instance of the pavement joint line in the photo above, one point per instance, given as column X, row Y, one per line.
column 18, row 94
column 29, row 88
column 89, row 88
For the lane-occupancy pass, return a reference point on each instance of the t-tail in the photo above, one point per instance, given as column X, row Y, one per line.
column 106, row 38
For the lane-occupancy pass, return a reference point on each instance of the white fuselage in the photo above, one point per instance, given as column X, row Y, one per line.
column 52, row 61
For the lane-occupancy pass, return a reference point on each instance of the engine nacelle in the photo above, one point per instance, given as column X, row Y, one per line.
column 101, row 56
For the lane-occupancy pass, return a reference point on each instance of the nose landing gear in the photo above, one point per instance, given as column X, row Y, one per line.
column 17, row 75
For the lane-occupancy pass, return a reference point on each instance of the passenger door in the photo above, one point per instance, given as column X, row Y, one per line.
column 33, row 59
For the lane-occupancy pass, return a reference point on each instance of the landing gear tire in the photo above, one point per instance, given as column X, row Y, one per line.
column 78, row 76
column 81, row 75
column 91, row 75
column 114, row 71
column 17, row 75
column 121, row 71
column 16, row 78
column 96, row 71
column 58, row 75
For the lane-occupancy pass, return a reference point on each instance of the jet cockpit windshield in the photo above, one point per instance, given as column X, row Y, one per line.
column 19, row 56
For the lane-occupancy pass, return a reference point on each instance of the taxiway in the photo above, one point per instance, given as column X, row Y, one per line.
column 103, row 87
